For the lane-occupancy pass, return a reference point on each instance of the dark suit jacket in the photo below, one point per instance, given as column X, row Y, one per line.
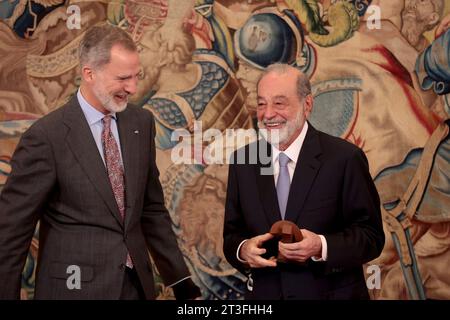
column 58, row 177
column 332, row 193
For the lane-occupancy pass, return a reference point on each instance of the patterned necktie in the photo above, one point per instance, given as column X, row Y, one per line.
column 115, row 170
column 283, row 183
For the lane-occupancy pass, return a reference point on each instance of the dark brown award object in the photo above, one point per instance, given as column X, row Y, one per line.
column 286, row 232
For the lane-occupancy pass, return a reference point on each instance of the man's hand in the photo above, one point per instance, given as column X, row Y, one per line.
column 310, row 246
column 251, row 252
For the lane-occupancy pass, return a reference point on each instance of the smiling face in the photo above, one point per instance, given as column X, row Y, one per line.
column 280, row 109
column 108, row 88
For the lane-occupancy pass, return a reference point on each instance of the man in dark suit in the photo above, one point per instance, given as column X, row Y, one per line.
column 319, row 182
column 87, row 172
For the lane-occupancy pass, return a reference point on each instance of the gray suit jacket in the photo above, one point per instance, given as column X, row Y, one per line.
column 58, row 177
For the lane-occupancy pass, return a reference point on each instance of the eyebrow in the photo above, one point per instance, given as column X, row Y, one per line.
column 127, row 76
column 280, row 97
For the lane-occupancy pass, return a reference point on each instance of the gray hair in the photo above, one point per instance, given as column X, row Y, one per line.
column 95, row 47
column 303, row 84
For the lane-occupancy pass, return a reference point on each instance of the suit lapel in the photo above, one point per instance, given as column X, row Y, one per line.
column 129, row 143
column 306, row 170
column 84, row 149
column 266, row 186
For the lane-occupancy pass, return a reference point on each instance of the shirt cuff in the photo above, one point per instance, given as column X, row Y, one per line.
column 238, row 250
column 324, row 250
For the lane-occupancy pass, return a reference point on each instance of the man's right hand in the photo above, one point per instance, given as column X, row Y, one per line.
column 252, row 250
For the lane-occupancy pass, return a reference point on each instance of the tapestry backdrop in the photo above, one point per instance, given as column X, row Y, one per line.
column 381, row 79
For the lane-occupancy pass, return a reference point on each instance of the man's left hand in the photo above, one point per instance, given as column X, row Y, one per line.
column 310, row 246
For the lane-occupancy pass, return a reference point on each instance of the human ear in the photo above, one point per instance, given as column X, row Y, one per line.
column 308, row 105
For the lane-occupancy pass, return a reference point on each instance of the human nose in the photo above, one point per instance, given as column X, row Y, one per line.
column 131, row 85
column 269, row 112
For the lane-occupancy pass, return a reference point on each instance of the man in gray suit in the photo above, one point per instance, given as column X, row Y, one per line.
column 87, row 172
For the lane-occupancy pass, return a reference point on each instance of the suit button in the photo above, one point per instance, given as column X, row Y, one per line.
column 122, row 266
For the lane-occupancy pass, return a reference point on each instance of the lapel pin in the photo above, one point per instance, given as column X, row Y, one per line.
column 136, row 131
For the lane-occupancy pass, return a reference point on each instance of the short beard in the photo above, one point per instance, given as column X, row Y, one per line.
column 107, row 100
column 278, row 137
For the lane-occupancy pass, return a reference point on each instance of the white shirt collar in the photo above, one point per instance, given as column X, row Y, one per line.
column 294, row 149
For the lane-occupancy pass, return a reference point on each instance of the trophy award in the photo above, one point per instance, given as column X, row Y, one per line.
column 286, row 232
